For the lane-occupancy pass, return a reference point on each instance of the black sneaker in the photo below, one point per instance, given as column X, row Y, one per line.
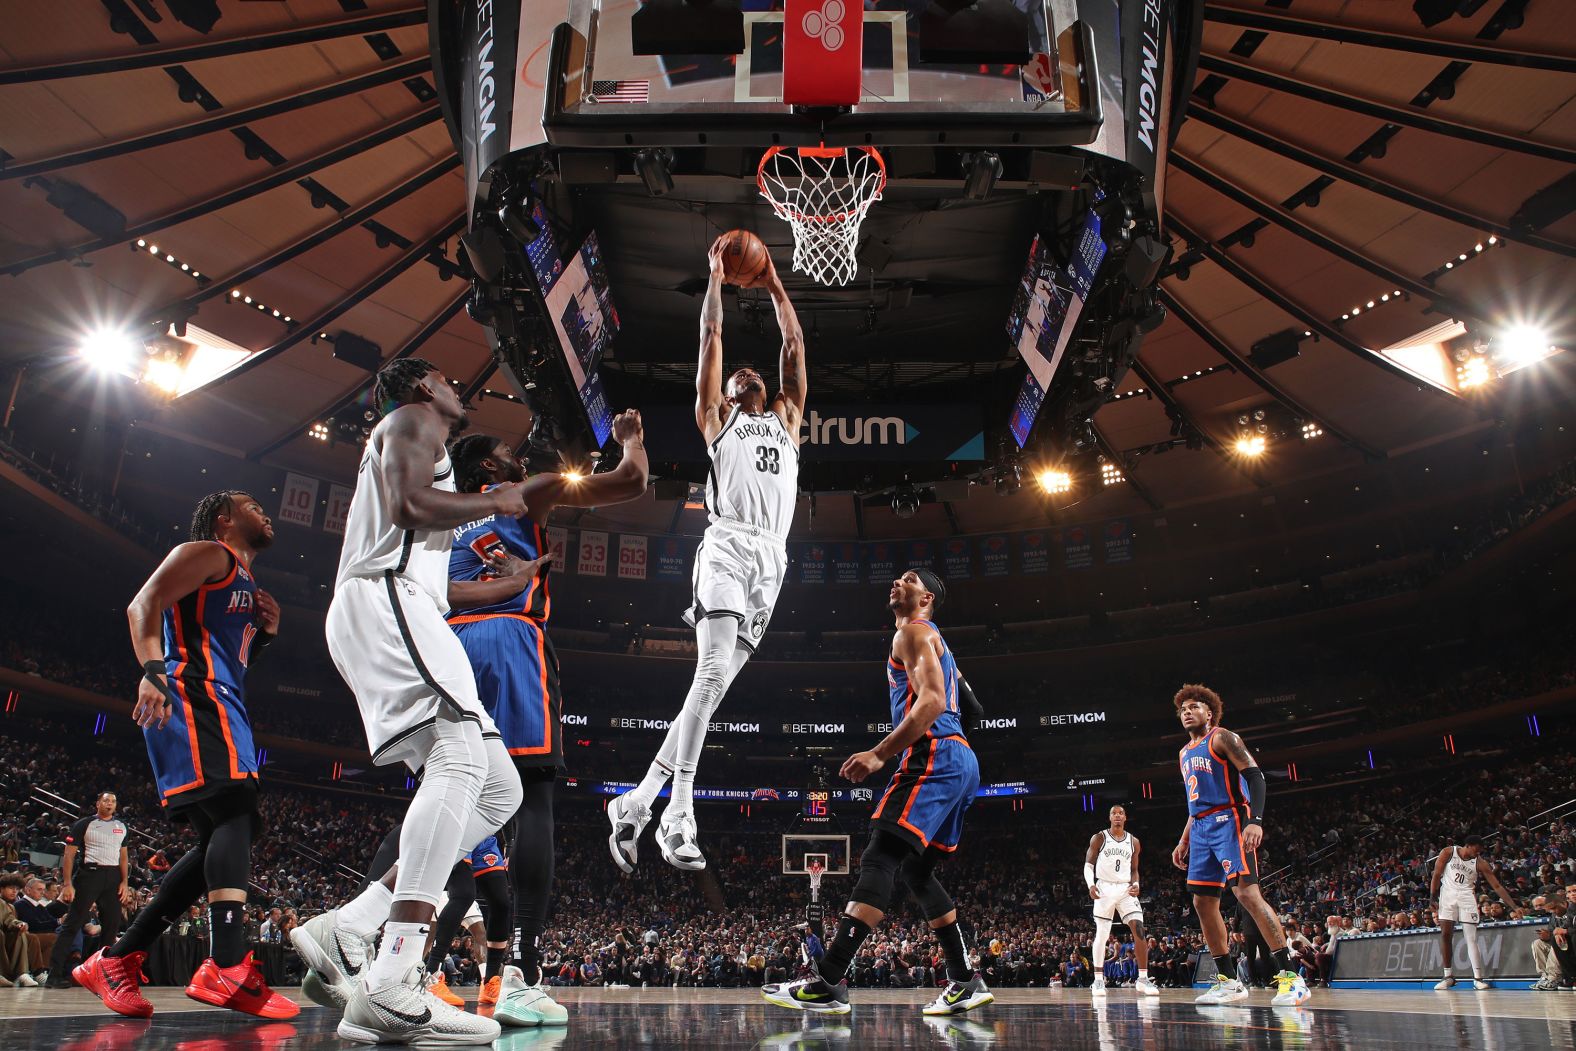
column 958, row 997
column 810, row 994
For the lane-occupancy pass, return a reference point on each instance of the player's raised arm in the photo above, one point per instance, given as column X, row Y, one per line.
column 708, row 376
column 409, row 444
column 627, row 481
column 789, row 403
column 1237, row 754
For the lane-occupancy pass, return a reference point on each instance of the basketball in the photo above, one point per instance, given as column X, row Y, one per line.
column 743, row 257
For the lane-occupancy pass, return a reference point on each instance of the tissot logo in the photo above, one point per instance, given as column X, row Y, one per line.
column 998, row 724
column 855, row 430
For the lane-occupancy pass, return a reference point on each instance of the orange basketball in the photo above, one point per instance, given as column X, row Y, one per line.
column 743, row 257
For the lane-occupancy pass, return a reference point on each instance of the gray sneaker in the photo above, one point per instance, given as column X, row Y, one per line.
column 629, row 819
column 405, row 1013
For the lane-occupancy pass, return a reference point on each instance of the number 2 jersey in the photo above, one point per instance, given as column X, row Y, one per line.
column 754, row 478
column 206, row 746
column 1211, row 782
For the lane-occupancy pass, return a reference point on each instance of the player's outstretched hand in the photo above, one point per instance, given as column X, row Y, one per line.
column 714, row 256
column 508, row 499
column 861, row 765
column 152, row 708
column 1252, row 836
column 1179, row 856
column 267, row 612
column 627, row 427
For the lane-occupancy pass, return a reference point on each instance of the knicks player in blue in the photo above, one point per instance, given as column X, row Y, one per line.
column 195, row 626
column 1219, row 845
column 499, row 604
column 919, row 820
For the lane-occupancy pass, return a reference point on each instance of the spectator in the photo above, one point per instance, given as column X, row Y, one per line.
column 1550, row 974
column 15, row 951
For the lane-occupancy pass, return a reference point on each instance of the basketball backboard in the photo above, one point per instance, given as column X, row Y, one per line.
column 831, row 851
column 601, row 93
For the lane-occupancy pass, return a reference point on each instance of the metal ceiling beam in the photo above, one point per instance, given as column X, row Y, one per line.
column 274, row 179
column 1405, row 116
column 222, row 121
column 1163, row 393
column 350, row 300
column 1274, row 213
column 431, row 328
column 482, row 377
column 1246, row 368
column 348, row 221
column 1356, row 176
column 1310, row 320
column 177, row 54
column 1127, row 469
column 1389, row 39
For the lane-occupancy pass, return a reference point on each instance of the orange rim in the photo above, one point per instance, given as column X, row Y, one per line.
column 819, row 151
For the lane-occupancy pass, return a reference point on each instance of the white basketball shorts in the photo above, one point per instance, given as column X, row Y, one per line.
column 1115, row 902
column 738, row 572
column 1458, row 908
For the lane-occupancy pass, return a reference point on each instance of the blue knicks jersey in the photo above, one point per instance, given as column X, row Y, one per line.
column 1210, row 781
column 949, row 723
column 519, row 538
column 208, row 634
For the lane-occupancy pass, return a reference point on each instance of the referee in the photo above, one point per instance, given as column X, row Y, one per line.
column 102, row 880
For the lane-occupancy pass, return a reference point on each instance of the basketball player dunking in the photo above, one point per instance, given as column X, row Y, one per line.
column 418, row 700
column 919, row 820
column 754, row 482
column 500, row 599
column 1454, row 887
column 1111, row 871
column 1219, row 845
column 195, row 625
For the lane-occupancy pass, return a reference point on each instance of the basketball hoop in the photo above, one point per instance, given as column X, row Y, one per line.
column 815, row 870
column 823, row 193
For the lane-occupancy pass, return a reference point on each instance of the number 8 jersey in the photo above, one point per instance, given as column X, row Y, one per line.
column 754, row 478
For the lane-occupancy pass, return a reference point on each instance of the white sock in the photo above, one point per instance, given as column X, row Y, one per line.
column 402, row 949
column 366, row 912
column 1450, row 972
column 652, row 784
column 1143, row 972
column 1470, row 930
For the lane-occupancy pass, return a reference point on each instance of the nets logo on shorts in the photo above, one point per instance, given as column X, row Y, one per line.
column 758, row 625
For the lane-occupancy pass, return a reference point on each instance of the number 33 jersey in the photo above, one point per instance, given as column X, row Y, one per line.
column 754, row 479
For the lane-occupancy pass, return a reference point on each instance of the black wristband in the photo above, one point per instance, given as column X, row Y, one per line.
column 1254, row 821
column 154, row 672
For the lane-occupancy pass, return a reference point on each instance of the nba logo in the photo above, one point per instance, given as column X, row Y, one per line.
column 823, row 41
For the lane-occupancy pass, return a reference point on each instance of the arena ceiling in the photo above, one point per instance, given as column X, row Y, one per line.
column 284, row 172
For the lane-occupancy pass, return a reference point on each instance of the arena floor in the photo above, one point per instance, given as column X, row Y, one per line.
column 706, row 1019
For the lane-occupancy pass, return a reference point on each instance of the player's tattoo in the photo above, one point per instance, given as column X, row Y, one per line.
column 1236, row 751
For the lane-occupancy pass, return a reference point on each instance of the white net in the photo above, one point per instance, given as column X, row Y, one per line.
column 823, row 193
column 815, row 870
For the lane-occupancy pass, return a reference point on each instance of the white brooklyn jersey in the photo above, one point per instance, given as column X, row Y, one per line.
column 1461, row 875
column 754, row 477
column 1115, row 863
column 374, row 544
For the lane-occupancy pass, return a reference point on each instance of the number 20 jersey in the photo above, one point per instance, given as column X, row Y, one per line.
column 754, row 477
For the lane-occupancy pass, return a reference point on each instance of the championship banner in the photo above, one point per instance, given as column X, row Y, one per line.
column 846, row 564
column 557, row 541
column 631, row 556
column 593, row 554
column 1033, row 555
column 298, row 504
column 881, row 562
column 812, row 563
column 995, row 556
column 1118, row 541
column 921, row 555
column 1077, row 547
column 338, row 512
column 672, row 558
column 957, row 558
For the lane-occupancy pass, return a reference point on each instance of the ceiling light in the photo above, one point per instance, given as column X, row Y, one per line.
column 1311, row 431
column 164, row 374
column 573, row 477
column 108, row 351
column 1251, row 445
column 1055, row 481
column 1473, row 373
column 1523, row 344
column 318, row 431
column 235, row 293
column 1110, row 474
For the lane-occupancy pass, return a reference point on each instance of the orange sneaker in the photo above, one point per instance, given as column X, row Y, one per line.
column 439, row 987
column 240, row 988
column 491, row 991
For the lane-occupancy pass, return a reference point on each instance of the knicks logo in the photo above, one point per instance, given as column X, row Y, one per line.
column 490, row 860
column 826, row 25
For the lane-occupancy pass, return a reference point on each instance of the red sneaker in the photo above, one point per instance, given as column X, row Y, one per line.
column 240, row 988
column 117, row 981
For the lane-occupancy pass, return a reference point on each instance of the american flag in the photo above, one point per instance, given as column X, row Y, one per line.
column 620, row 91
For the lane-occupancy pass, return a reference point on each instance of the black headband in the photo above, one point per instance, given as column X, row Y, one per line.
column 933, row 584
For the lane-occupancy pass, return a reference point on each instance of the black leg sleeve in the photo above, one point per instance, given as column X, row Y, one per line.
column 531, row 869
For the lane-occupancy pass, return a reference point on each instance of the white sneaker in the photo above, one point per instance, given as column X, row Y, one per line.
column 26, row 981
column 1223, row 991
column 1099, row 984
column 1444, row 983
column 529, row 1005
column 1479, row 984
column 337, row 956
column 321, row 993
column 405, row 1013
column 629, row 819
column 1292, row 990
column 676, row 840
column 1147, row 986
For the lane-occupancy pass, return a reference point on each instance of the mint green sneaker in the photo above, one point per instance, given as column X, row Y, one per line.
column 530, row 1005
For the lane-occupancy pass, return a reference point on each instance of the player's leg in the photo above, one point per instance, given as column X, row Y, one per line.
column 1292, row 988
column 1102, row 939
column 1469, row 932
column 531, row 868
column 1447, row 945
column 459, row 894
column 965, row 989
column 717, row 638
column 1144, row 984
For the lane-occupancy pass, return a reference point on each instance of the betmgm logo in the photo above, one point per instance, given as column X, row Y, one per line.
column 855, row 430
column 826, row 24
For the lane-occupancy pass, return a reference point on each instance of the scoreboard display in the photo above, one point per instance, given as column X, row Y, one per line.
column 817, row 806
